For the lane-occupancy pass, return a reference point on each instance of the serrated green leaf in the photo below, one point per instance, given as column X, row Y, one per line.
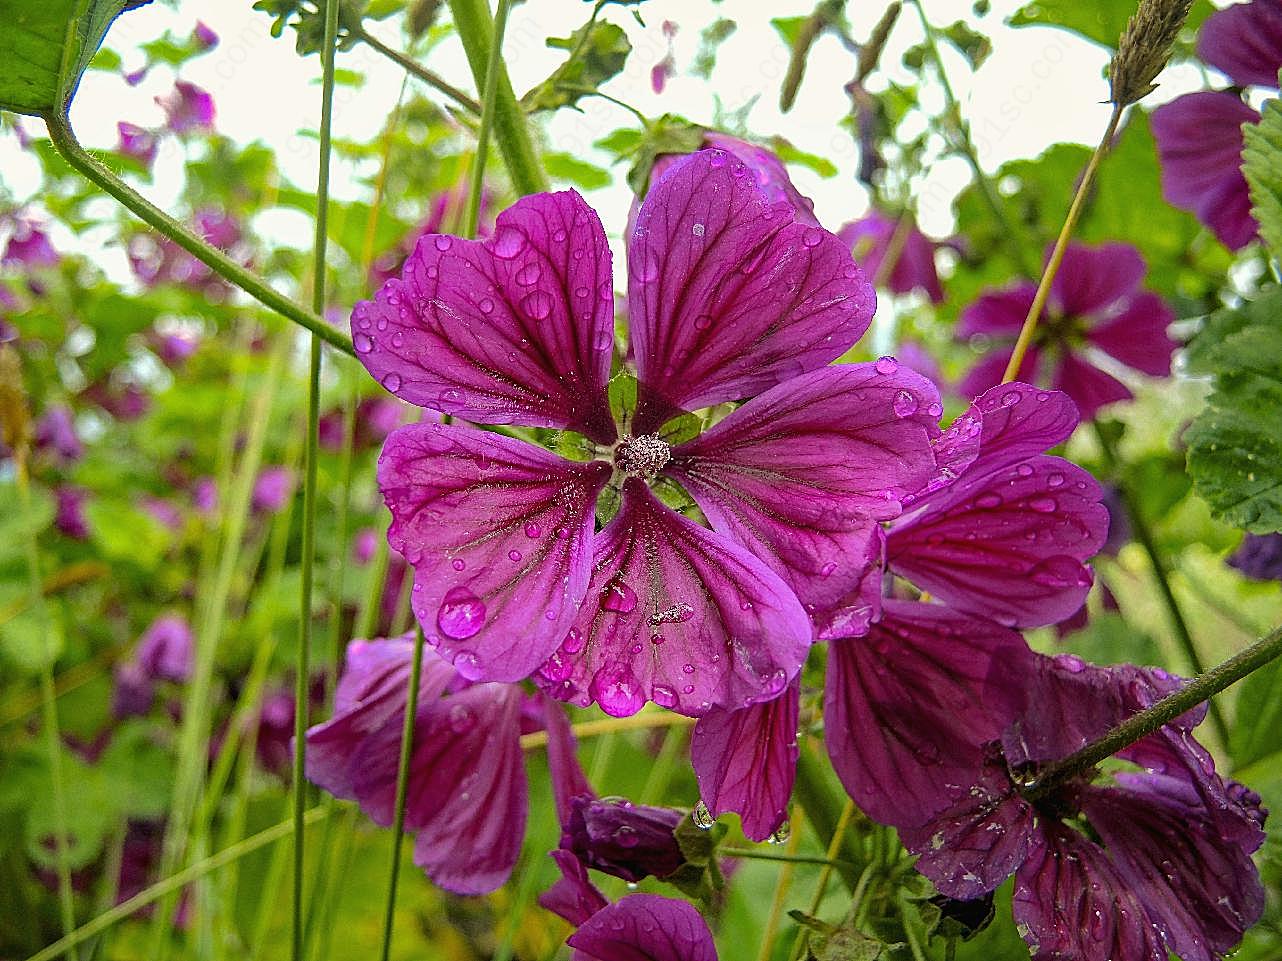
column 45, row 46
column 1235, row 445
column 1257, row 720
column 1262, row 165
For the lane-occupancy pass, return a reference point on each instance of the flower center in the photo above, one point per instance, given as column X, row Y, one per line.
column 642, row 456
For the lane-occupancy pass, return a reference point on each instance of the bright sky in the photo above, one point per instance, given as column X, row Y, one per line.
column 1039, row 87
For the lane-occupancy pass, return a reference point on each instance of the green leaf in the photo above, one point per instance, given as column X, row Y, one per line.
column 598, row 52
column 791, row 155
column 712, row 37
column 122, row 532
column 564, row 166
column 1262, row 165
column 1235, row 445
column 1257, row 720
column 1100, row 20
column 46, row 45
column 788, row 28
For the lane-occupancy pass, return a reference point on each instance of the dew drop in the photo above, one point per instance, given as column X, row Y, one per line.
column 573, row 642
column 486, row 305
column 718, row 159
column 1043, row 505
column 663, row 696
column 443, row 242
column 812, row 237
column 989, row 500
column 461, row 719
column 617, row 691
column 618, row 597
column 904, row 404
column 514, row 555
column 533, row 530
column 529, row 275
column 697, row 230
column 461, row 615
column 392, row 382
column 828, row 569
column 1055, row 480
column 537, row 304
column 458, row 563
column 508, row 243
column 1024, row 470
column 581, row 292
column 886, row 365
column 702, row 322
column 363, row 343
column 1011, row 398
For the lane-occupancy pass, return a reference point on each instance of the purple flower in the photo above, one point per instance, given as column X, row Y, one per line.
column 662, row 71
column 28, row 245
column 135, row 77
column 510, row 574
column 163, row 512
column 1199, row 135
column 639, row 927
column 174, row 349
column 69, row 514
column 1095, row 303
column 629, row 841
column 467, row 797
column 273, row 487
column 364, row 544
column 133, row 691
column 165, row 649
column 137, row 142
column 1199, row 142
column 1259, row 557
column 203, row 38
column 914, row 267
column 56, row 432
column 204, row 495
column 1166, row 865
column 376, row 417
column 188, row 108
column 446, row 214
column 158, row 260
column 273, row 747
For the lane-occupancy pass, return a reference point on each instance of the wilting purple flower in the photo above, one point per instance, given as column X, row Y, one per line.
column 165, row 649
column 28, row 244
column 1259, row 557
column 273, row 487
column 639, row 927
column 914, row 266
column 617, row 837
column 188, row 108
column 467, row 797
column 1167, row 864
column 56, row 432
column 1199, row 135
column 203, row 38
column 1096, row 302
column 510, row 574
column 137, row 142
column 69, row 514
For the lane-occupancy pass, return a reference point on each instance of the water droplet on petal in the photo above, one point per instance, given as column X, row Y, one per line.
column 702, row 817
column 617, row 690
column 461, row 719
column 1055, row 480
column 1011, row 398
column 573, row 642
column 533, row 530
column 514, row 555
column 537, row 304
column 687, row 668
column 443, row 242
column 618, row 597
column 486, row 305
column 363, row 343
column 508, row 243
column 989, row 500
column 828, row 569
column 718, row 159
column 702, row 322
column 904, row 404
column 458, row 563
column 461, row 614
column 528, row 275
column 1043, row 505
column 1024, row 470
column 812, row 237
column 697, row 230
column 663, row 696
column 392, row 382
column 886, row 365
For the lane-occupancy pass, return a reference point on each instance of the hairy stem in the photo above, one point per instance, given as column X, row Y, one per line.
column 1026, row 332
column 64, row 140
column 1200, row 689
column 412, row 67
column 511, row 131
column 402, row 787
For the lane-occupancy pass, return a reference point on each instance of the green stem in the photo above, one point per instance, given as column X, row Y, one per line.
column 1010, row 230
column 410, row 66
column 1144, row 535
column 48, row 708
column 1025, row 339
column 751, row 854
column 402, row 787
column 64, row 139
column 169, row 885
column 476, row 30
column 488, row 108
column 302, row 678
column 1200, row 689
column 822, row 806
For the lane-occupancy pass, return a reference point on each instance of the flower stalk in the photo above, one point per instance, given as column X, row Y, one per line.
column 415, row 69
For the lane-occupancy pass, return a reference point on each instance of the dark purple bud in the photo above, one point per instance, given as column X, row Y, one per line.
column 69, row 516
column 1259, row 557
column 133, row 691
column 629, row 841
column 165, row 648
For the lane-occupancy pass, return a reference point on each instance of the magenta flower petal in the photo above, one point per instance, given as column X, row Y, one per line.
column 728, row 294
column 893, row 702
column 1009, row 545
column 499, row 534
column 1018, row 421
column 1245, row 42
column 988, row 372
column 371, row 694
column 1201, row 891
column 998, row 312
column 801, row 474
column 1259, row 557
column 746, row 761
column 1090, row 387
column 977, row 843
column 166, row 648
column 137, row 142
column 678, row 615
column 629, row 841
column 515, row 330
column 645, row 927
column 1137, row 336
column 1092, row 278
column 1070, row 902
column 573, row 897
column 771, row 174
column 1199, row 142
column 188, row 108
column 869, row 239
column 568, row 780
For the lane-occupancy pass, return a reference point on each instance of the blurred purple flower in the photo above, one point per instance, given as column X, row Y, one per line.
column 69, row 515
column 56, row 432
column 163, row 511
column 173, row 349
column 1244, row 41
column 188, row 109
column 1259, row 557
column 166, row 648
column 125, row 402
column 136, row 142
column 204, row 495
column 1095, row 302
column 203, row 38
column 28, row 244
column 364, row 544
column 135, row 77
column 376, row 417
column 273, row 746
column 273, row 487
column 158, row 260
column 446, row 214
column 662, row 71
column 914, row 267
